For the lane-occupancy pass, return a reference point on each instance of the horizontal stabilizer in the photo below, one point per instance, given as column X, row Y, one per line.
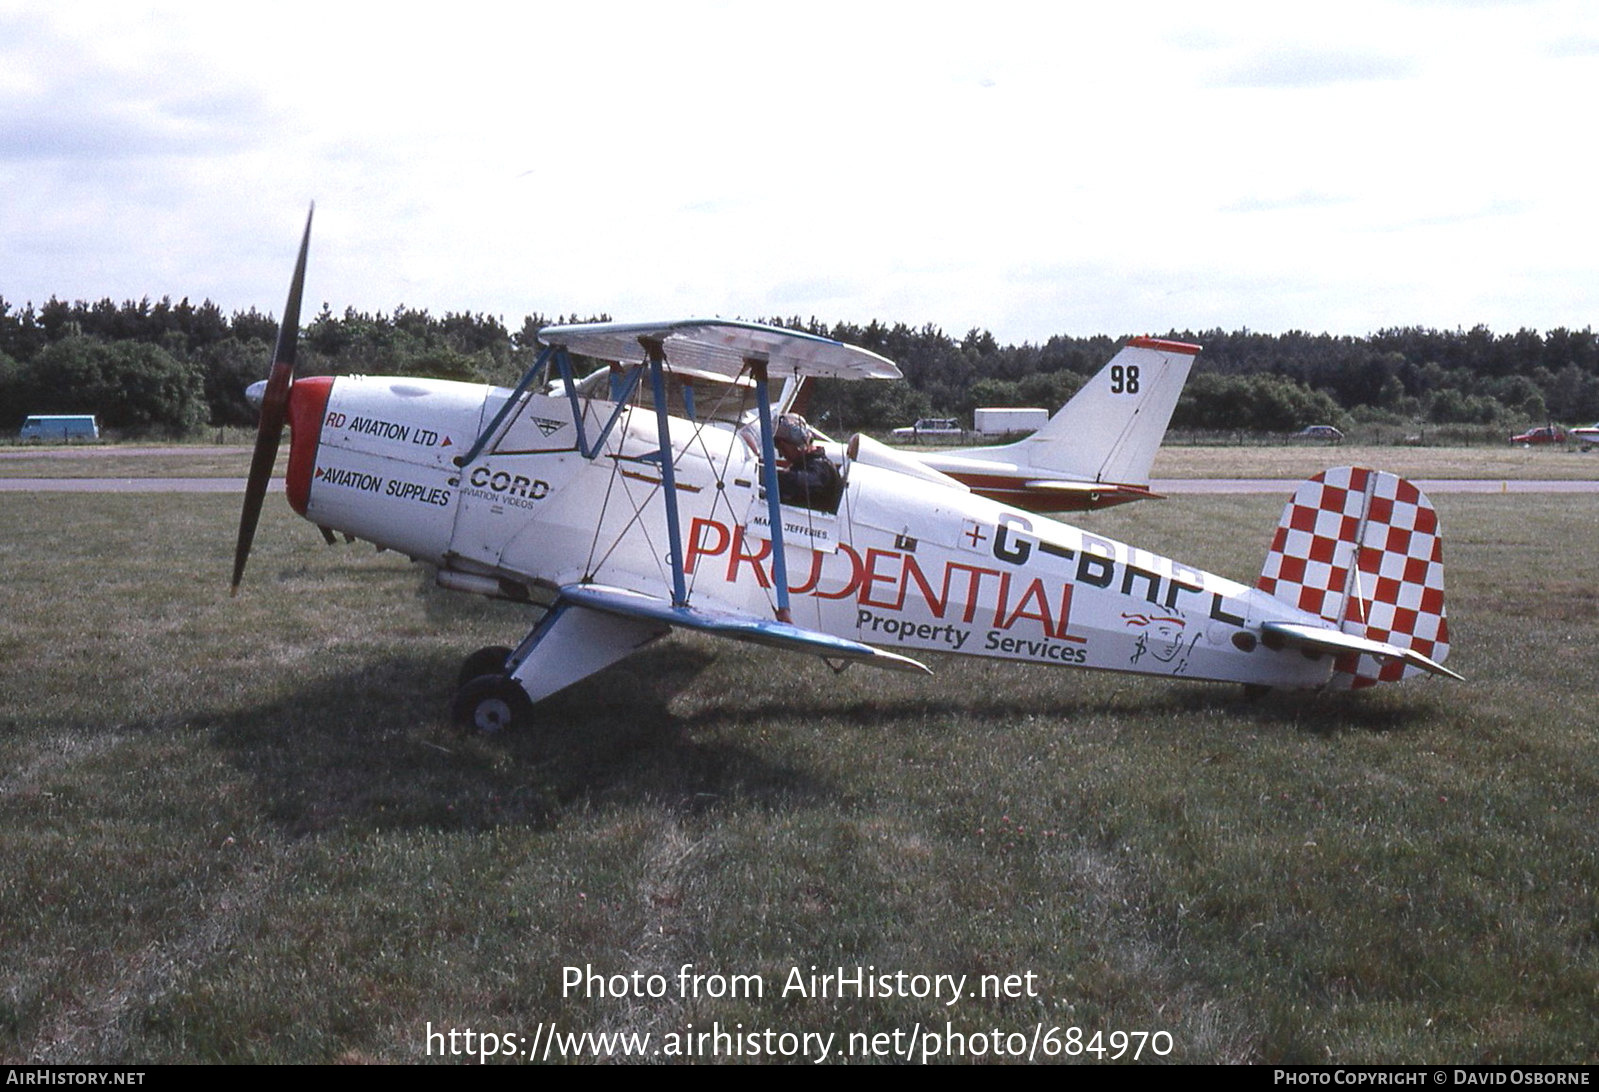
column 1096, row 489
column 1336, row 641
column 737, row 627
column 1050, row 486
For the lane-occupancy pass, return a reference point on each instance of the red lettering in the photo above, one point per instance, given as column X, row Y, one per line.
column 696, row 541
column 870, row 577
column 1004, row 597
column 1034, row 594
column 973, row 587
column 817, row 557
column 913, row 571
column 854, row 576
column 1066, row 616
column 739, row 557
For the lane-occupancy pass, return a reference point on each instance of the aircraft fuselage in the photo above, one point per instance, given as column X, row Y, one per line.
column 904, row 564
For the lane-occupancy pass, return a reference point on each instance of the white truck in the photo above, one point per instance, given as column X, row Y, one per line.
column 1008, row 422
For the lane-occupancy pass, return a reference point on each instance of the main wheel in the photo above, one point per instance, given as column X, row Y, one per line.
column 485, row 661
column 492, row 704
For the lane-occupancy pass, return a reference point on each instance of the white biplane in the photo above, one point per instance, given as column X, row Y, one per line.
column 623, row 522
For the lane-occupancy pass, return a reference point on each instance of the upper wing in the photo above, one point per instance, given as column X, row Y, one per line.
column 723, row 346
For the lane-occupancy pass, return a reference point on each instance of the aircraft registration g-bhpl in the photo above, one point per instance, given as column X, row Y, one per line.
column 617, row 523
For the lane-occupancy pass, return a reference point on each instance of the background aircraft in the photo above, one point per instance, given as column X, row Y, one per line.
column 1097, row 450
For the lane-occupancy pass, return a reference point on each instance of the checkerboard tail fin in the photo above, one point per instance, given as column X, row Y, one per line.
column 1361, row 550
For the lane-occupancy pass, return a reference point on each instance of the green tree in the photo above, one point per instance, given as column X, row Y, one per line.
column 13, row 392
column 128, row 385
column 227, row 368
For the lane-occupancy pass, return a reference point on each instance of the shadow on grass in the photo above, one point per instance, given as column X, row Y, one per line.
column 1322, row 714
column 1331, row 712
column 1319, row 713
column 375, row 749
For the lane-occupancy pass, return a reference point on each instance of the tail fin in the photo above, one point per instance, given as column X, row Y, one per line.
column 1361, row 549
column 1112, row 427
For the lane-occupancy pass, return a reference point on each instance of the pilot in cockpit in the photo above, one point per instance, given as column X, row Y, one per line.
column 811, row 480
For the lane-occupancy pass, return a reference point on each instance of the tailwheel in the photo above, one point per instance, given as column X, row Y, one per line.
column 492, row 704
column 485, row 661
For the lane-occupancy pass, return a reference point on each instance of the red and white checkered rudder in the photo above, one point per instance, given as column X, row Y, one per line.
column 1361, row 549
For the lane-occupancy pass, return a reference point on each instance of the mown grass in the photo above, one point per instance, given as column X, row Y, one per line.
column 242, row 830
column 115, row 461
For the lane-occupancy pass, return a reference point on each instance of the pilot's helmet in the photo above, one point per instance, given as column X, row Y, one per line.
column 791, row 427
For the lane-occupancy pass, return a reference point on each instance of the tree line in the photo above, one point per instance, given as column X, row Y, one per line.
column 165, row 368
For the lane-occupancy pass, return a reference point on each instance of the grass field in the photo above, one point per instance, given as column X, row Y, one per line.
column 242, row 830
column 126, row 462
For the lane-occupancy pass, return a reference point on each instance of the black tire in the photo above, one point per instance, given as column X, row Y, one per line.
column 485, row 661
column 492, row 704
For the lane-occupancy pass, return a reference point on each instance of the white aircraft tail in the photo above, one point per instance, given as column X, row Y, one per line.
column 1361, row 549
column 1110, row 429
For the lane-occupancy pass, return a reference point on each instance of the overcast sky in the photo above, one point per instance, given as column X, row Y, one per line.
column 1031, row 168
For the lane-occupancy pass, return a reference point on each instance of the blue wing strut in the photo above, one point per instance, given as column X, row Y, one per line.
column 590, row 625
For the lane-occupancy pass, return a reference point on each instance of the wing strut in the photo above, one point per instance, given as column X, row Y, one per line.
column 774, row 511
column 511, row 403
column 656, row 354
column 621, row 391
column 714, row 345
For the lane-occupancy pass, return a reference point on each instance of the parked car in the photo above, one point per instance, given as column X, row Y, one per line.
column 1548, row 434
column 1587, row 437
column 929, row 427
column 1319, row 432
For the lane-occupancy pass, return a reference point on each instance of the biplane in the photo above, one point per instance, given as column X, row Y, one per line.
column 617, row 521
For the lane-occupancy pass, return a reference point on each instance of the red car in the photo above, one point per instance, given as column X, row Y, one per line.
column 1549, row 434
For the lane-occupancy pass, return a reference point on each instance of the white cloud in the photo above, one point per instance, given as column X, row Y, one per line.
column 1070, row 170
